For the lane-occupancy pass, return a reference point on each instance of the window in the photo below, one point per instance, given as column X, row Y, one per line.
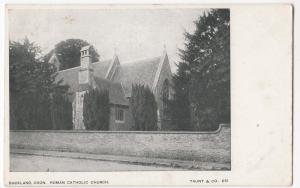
column 119, row 115
column 165, row 96
column 165, row 93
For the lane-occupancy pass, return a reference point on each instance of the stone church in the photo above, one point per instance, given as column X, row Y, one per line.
column 118, row 79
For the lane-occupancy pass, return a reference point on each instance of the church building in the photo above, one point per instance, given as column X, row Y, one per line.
column 118, row 79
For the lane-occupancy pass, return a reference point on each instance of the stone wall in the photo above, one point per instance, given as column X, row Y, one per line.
column 200, row 146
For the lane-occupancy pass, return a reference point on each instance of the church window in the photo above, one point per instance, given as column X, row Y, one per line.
column 165, row 96
column 165, row 91
column 119, row 115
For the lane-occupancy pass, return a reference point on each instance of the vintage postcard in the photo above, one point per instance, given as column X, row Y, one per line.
column 148, row 95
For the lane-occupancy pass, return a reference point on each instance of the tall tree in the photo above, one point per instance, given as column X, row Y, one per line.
column 180, row 104
column 61, row 112
column 31, row 85
column 144, row 108
column 68, row 53
column 205, row 70
column 96, row 110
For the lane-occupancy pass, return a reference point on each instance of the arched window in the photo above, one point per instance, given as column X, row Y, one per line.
column 165, row 90
column 165, row 96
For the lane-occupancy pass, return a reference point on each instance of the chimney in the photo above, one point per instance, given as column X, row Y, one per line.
column 85, row 61
column 85, row 57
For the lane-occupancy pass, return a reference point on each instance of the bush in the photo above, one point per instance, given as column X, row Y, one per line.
column 61, row 113
column 96, row 110
column 31, row 87
column 144, row 108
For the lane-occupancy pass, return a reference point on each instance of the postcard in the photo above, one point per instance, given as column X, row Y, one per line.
column 170, row 95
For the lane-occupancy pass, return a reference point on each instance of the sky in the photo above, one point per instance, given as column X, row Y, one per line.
column 131, row 34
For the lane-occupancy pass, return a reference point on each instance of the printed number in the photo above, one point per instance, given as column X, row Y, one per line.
column 224, row 180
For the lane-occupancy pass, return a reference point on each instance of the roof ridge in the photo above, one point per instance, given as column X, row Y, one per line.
column 130, row 62
column 159, row 69
column 79, row 65
column 101, row 61
column 69, row 69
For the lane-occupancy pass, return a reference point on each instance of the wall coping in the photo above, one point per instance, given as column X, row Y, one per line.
column 221, row 126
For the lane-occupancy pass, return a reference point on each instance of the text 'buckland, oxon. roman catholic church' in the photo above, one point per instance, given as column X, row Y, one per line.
column 118, row 79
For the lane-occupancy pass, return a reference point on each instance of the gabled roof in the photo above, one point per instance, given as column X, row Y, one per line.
column 100, row 69
column 145, row 72
column 137, row 72
column 70, row 76
column 54, row 59
column 116, row 94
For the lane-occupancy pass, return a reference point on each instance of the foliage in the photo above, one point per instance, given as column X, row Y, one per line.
column 68, row 53
column 31, row 86
column 96, row 110
column 144, row 108
column 180, row 105
column 61, row 112
column 203, row 75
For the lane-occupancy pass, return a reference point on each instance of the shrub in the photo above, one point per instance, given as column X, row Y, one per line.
column 96, row 110
column 144, row 108
column 61, row 113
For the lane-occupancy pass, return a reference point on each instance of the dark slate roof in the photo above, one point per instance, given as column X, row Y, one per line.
column 138, row 72
column 101, row 68
column 70, row 76
column 116, row 94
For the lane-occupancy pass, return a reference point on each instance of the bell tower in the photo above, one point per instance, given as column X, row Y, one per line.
column 85, row 61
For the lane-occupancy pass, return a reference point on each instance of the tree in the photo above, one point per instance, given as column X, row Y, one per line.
column 31, row 85
column 96, row 110
column 205, row 71
column 180, row 104
column 68, row 53
column 61, row 112
column 144, row 108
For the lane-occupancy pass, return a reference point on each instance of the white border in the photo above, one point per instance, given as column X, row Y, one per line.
column 296, row 59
